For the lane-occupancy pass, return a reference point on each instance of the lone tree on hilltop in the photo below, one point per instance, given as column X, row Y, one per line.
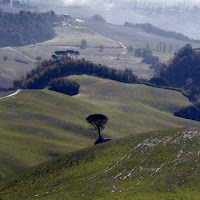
column 98, row 121
column 83, row 44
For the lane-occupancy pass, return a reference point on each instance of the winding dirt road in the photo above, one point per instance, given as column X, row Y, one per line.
column 11, row 95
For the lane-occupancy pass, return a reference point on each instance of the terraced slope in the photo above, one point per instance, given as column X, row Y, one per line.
column 153, row 166
column 38, row 125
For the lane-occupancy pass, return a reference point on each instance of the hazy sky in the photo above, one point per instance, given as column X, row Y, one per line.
column 98, row 1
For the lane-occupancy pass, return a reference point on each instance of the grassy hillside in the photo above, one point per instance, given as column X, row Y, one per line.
column 131, row 35
column 74, row 35
column 14, row 66
column 38, row 125
column 95, row 34
column 160, row 165
column 108, row 57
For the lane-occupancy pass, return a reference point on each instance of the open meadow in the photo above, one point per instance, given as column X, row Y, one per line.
column 38, row 125
column 13, row 64
column 47, row 146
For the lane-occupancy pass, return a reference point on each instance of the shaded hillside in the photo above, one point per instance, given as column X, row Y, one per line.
column 38, row 125
column 149, row 28
column 159, row 165
column 25, row 28
column 190, row 112
column 10, row 69
column 135, row 36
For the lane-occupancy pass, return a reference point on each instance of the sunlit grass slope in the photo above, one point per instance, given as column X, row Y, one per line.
column 38, row 125
column 161, row 165
column 10, row 69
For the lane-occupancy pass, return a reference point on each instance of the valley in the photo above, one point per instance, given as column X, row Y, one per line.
column 138, row 76
column 24, row 58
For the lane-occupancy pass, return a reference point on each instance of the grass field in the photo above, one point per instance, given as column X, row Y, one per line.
column 131, row 36
column 161, row 165
column 38, row 125
column 74, row 35
column 10, row 69
column 164, row 57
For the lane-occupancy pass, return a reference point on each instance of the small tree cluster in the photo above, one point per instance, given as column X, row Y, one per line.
column 83, row 44
column 158, row 81
column 130, row 49
column 190, row 112
column 5, row 58
column 149, row 58
column 69, row 54
column 65, row 86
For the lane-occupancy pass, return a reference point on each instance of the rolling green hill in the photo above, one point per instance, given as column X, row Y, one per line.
column 38, row 125
column 96, row 34
column 160, row 165
column 134, row 36
column 14, row 66
column 73, row 36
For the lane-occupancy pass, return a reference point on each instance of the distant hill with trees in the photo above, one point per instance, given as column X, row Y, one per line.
column 98, row 18
column 25, row 28
column 183, row 71
column 65, row 66
column 149, row 28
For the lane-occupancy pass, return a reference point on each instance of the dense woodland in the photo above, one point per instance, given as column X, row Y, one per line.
column 65, row 66
column 25, row 28
column 149, row 28
column 183, row 71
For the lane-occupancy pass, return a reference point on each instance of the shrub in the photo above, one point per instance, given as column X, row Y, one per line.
column 190, row 112
column 158, row 81
column 65, row 86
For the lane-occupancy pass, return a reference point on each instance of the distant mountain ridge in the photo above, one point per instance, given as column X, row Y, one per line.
column 149, row 28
